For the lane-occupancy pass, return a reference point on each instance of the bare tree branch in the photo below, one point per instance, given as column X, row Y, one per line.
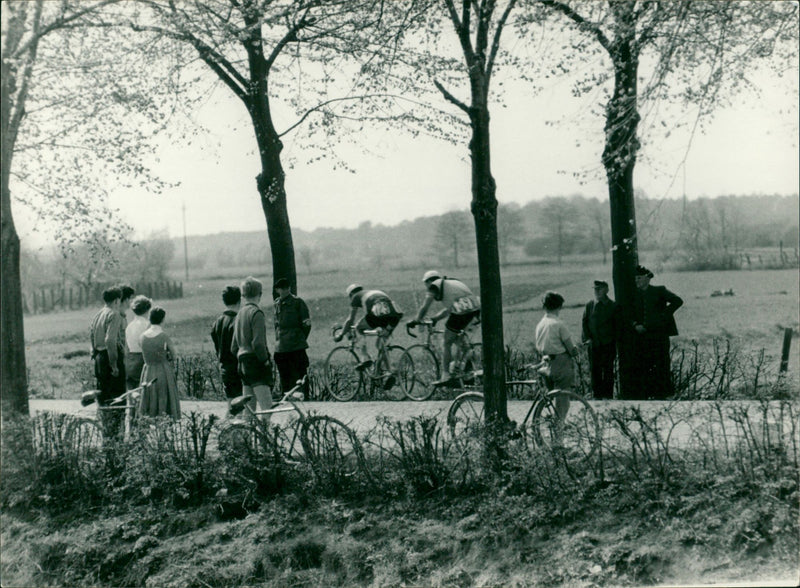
column 450, row 98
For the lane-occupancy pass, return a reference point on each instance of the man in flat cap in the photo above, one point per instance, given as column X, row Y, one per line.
column 600, row 324
column 292, row 326
column 654, row 324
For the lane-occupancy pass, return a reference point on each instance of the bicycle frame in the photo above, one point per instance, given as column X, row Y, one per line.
column 130, row 398
column 463, row 343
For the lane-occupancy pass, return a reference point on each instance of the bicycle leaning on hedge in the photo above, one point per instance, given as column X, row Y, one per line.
column 392, row 370
column 316, row 439
column 556, row 419
column 466, row 367
column 87, row 431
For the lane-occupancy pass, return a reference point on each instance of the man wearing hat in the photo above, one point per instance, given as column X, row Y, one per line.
column 292, row 326
column 654, row 324
column 600, row 324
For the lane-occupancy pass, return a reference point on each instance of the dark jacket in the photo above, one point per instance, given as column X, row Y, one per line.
column 222, row 335
column 654, row 308
column 599, row 324
column 292, row 324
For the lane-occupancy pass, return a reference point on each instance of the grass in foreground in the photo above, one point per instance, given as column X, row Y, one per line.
column 719, row 506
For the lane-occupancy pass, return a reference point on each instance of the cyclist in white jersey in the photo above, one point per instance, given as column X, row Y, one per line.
column 461, row 307
column 380, row 312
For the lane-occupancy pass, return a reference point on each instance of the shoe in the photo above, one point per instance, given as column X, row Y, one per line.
column 390, row 381
column 364, row 365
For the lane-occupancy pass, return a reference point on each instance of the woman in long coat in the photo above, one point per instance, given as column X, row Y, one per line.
column 161, row 398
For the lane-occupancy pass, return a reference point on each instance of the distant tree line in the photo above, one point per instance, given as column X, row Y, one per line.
column 703, row 233
column 87, row 266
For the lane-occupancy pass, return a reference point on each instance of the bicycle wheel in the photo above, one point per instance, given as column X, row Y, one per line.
column 342, row 380
column 466, row 409
column 331, row 447
column 577, row 433
column 402, row 368
column 425, row 372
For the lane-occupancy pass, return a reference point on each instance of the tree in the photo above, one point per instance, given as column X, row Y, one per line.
column 257, row 49
column 478, row 27
column 64, row 102
column 510, row 229
column 453, row 236
column 698, row 49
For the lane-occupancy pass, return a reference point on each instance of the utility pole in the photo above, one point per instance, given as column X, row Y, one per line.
column 185, row 242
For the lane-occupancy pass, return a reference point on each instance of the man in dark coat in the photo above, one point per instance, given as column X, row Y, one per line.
column 654, row 324
column 600, row 324
column 292, row 326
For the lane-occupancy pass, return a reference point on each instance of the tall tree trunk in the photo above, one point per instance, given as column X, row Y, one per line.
column 13, row 371
column 619, row 159
column 272, row 189
column 484, row 212
column 271, row 181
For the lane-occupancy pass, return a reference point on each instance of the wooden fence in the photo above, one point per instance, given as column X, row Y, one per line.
column 44, row 300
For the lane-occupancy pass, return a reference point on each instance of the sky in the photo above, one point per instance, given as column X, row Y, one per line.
column 539, row 144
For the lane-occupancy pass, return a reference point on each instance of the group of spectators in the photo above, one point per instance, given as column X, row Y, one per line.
column 240, row 340
column 127, row 355
column 649, row 326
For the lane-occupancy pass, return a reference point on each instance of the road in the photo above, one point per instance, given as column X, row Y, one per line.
column 362, row 416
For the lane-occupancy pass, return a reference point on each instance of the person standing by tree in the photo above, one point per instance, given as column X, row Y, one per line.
column 134, row 362
column 600, row 323
column 653, row 324
column 553, row 339
column 124, row 302
column 222, row 336
column 108, row 356
column 292, row 326
column 249, row 345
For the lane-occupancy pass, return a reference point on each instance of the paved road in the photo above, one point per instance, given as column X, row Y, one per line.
column 362, row 416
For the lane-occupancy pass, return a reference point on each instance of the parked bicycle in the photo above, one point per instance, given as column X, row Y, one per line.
column 87, row 431
column 320, row 440
column 392, row 370
column 466, row 368
column 556, row 419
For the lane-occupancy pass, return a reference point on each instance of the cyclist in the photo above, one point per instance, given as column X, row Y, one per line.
column 380, row 313
column 461, row 307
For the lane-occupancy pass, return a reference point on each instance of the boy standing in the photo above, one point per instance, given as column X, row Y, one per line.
column 222, row 336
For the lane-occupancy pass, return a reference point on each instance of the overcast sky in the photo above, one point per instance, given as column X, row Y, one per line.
column 538, row 144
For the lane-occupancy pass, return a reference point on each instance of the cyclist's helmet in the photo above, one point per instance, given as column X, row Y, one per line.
column 430, row 275
column 353, row 288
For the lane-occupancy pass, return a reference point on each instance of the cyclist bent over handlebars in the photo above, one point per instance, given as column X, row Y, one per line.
column 461, row 307
column 380, row 313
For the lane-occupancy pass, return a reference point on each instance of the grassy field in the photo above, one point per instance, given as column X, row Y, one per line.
column 764, row 303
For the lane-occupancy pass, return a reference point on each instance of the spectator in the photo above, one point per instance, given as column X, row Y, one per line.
column 134, row 362
column 249, row 345
column 553, row 340
column 161, row 398
column 108, row 357
column 600, row 323
column 654, row 324
column 125, row 299
column 222, row 336
column 292, row 326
